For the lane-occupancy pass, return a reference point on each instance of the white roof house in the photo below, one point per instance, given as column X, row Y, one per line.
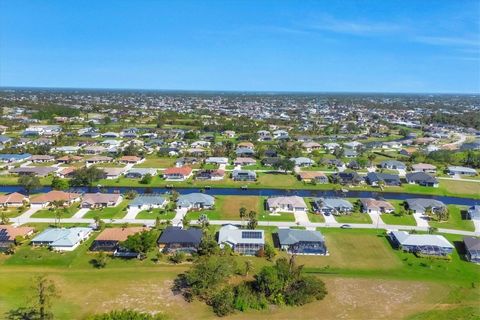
column 286, row 204
column 61, row 239
column 241, row 240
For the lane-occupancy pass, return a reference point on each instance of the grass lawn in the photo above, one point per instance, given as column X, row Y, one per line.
column 13, row 212
column 394, row 219
column 355, row 217
column 313, row 217
column 364, row 276
column 455, row 220
column 110, row 212
column 405, row 220
column 145, row 214
column 228, row 207
column 50, row 213
column 156, row 162
column 280, row 216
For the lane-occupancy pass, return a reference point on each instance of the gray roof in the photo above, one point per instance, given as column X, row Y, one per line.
column 179, row 235
column 39, row 171
column 142, row 171
column 423, row 203
column 461, row 169
column 420, row 177
column 334, row 203
column 232, row 235
column 148, row 199
column 472, row 243
column 292, row 236
column 186, row 200
column 406, row 239
column 395, row 163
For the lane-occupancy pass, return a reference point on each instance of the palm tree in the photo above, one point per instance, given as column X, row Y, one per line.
column 248, row 267
column 185, row 222
column 243, row 213
column 371, row 157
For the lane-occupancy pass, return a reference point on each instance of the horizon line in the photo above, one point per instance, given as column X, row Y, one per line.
column 269, row 92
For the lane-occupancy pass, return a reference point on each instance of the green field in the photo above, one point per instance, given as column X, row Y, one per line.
column 355, row 217
column 110, row 212
column 228, row 207
column 365, row 278
column 455, row 220
column 153, row 214
column 50, row 213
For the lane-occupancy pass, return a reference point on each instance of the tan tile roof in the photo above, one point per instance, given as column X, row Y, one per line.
column 14, row 232
column 100, row 198
column 119, row 234
column 130, row 158
column 14, row 197
column 178, row 170
column 53, row 196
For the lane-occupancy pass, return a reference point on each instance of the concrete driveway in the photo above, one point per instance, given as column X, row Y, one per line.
column 376, row 220
column 330, row 219
column 179, row 214
column 422, row 221
column 80, row 213
column 301, row 217
column 132, row 213
column 476, row 224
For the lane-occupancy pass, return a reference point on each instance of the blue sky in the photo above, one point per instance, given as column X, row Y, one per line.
column 373, row 46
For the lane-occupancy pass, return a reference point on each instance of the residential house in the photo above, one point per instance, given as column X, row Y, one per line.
column 46, row 199
column 69, row 159
column 303, row 162
column 425, row 244
column 370, row 205
column 66, row 172
column 421, row 178
column 11, row 158
column 177, row 173
column 109, row 239
column 242, row 241
column 377, row 178
column 94, row 150
column 229, row 133
column 313, row 176
column 350, row 153
column 286, row 204
column 61, row 239
column 110, row 135
column 9, row 234
column 453, row 170
column 13, row 199
column 424, row 167
column 331, row 146
column 472, row 249
column 186, row 161
column 246, row 144
column 347, row 178
column 474, row 212
column 280, row 134
column 138, row 173
column 66, row 149
column 176, row 239
column 101, row 200
column 393, row 165
column 41, row 158
column 98, row 159
column 271, row 153
column 34, row 171
column 335, row 206
column 353, row 145
column 131, row 160
column 420, row 205
column 270, row 161
column 311, row 146
column 303, row 242
column 244, row 161
column 244, row 152
column 195, row 201
column 149, row 201
column 217, row 160
column 244, row 175
column 213, row 175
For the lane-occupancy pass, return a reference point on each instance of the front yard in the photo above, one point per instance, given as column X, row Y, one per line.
column 117, row 212
column 455, row 220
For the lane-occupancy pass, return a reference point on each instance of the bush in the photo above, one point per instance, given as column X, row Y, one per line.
column 223, row 302
column 127, row 315
column 178, row 257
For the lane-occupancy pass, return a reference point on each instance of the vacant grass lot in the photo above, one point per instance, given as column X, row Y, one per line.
column 355, row 217
column 228, row 207
column 109, row 212
column 156, row 162
column 50, row 213
column 153, row 214
column 365, row 278
column 455, row 220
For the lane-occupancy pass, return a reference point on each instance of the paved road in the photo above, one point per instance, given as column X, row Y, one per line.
column 309, row 225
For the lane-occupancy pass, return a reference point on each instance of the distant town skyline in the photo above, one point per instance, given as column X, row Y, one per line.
column 243, row 46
